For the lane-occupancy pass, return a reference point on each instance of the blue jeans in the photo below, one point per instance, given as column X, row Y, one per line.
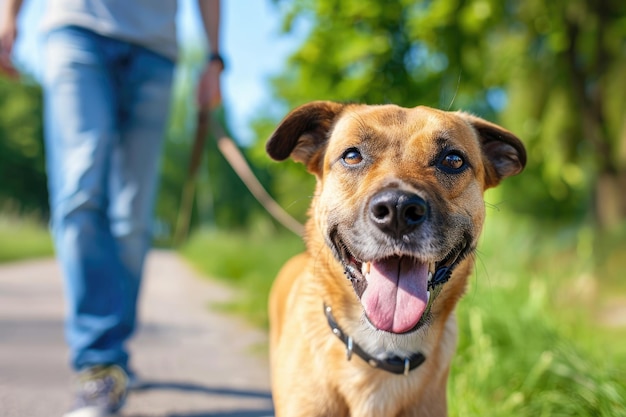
column 106, row 108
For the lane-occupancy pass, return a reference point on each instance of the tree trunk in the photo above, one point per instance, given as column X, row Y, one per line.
column 610, row 199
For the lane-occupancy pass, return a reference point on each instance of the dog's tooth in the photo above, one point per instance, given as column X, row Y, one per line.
column 430, row 276
column 427, row 297
column 365, row 268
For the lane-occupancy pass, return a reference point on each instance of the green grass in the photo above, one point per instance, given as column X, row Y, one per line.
column 530, row 341
column 249, row 262
column 23, row 238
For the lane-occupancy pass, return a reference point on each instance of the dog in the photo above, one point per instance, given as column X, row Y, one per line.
column 362, row 324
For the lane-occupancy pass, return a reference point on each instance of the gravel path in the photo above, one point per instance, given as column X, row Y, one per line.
column 193, row 362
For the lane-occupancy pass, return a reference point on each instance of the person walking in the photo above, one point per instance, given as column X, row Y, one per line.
column 107, row 81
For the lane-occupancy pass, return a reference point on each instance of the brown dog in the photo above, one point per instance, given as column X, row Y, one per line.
column 362, row 324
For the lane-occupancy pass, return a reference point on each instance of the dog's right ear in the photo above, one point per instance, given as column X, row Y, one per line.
column 303, row 134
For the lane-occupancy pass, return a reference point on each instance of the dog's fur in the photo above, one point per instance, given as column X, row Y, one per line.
column 397, row 189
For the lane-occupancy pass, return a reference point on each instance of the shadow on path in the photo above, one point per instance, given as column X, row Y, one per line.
column 176, row 332
column 220, row 392
column 242, row 413
column 197, row 388
column 235, row 413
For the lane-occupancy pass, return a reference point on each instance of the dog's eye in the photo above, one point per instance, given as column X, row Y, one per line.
column 453, row 161
column 352, row 157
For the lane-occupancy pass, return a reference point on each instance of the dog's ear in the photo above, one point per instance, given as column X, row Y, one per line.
column 303, row 133
column 504, row 152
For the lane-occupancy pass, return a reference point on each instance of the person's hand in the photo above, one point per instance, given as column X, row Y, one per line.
column 8, row 34
column 209, row 94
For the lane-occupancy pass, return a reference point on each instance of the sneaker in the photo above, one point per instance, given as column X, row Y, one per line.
column 101, row 392
column 134, row 381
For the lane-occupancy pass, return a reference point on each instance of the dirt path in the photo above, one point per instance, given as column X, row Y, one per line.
column 194, row 362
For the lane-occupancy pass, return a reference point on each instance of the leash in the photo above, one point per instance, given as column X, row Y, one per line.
column 207, row 120
column 237, row 161
column 394, row 364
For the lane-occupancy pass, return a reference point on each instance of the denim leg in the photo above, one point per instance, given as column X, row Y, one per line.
column 83, row 148
column 145, row 94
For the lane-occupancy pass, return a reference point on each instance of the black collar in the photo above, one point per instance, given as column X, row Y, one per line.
column 394, row 364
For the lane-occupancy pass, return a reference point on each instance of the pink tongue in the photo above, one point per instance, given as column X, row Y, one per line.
column 396, row 294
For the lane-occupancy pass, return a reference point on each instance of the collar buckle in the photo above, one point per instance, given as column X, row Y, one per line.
column 349, row 348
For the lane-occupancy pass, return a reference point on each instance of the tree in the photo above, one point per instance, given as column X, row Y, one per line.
column 22, row 161
column 553, row 72
column 576, row 58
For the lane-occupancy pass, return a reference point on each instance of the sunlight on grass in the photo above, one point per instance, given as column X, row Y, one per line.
column 23, row 238
column 249, row 262
column 529, row 342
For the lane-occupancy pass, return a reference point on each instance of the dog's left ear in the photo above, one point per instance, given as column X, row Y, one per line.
column 504, row 152
column 303, row 134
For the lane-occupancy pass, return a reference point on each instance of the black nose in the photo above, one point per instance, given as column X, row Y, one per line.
column 397, row 212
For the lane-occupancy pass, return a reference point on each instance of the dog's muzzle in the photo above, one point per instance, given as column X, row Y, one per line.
column 398, row 286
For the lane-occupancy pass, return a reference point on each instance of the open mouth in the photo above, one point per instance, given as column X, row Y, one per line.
column 397, row 292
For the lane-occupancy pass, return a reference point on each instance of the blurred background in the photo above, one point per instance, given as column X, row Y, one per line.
column 543, row 326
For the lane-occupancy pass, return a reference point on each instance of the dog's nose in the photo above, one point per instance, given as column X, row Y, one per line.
column 397, row 212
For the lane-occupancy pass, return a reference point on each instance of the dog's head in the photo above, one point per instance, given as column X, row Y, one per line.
column 399, row 197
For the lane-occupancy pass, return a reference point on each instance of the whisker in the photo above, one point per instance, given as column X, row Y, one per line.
column 495, row 207
column 300, row 199
column 456, row 91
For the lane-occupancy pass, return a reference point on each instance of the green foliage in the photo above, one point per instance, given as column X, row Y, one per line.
column 22, row 162
column 552, row 72
column 562, row 99
column 367, row 51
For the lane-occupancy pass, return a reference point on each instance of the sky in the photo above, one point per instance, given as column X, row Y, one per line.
column 251, row 43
